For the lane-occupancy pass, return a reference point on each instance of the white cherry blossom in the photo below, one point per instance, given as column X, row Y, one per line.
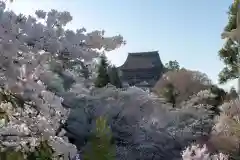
column 28, row 45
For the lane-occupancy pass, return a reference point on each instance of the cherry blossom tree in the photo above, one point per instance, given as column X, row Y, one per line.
column 140, row 122
column 29, row 46
column 185, row 83
column 196, row 152
column 39, row 84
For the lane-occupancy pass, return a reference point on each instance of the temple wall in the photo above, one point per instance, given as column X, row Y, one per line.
column 142, row 67
column 140, row 75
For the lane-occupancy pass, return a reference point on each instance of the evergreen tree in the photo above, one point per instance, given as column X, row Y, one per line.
column 233, row 93
column 102, row 77
column 114, row 77
column 172, row 66
column 220, row 97
column 228, row 54
column 100, row 146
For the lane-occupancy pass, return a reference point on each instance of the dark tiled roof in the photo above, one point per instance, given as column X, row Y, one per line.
column 142, row 60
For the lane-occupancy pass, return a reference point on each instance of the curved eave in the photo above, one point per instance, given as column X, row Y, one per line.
column 130, row 55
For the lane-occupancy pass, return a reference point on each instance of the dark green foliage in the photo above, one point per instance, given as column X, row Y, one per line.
column 102, row 78
column 232, row 94
column 100, row 146
column 219, row 92
column 11, row 98
column 172, row 66
column 107, row 74
column 84, row 71
column 11, row 155
column 42, row 152
column 114, row 77
column 228, row 54
column 170, row 93
column 218, row 100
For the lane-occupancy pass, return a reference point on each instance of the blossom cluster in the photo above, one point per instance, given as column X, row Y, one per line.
column 37, row 60
column 196, row 152
column 29, row 45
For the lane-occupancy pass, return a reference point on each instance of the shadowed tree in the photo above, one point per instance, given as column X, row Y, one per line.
column 170, row 93
column 114, row 77
column 233, row 93
column 102, row 77
column 172, row 65
column 219, row 99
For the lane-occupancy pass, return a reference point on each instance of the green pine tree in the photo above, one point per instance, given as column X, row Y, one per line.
column 100, row 146
column 172, row 66
column 114, row 77
column 228, row 54
column 102, row 78
column 233, row 93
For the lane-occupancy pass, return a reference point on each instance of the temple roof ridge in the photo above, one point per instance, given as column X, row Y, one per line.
column 143, row 53
column 142, row 60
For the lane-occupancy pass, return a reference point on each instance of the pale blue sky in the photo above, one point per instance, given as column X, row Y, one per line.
column 184, row 30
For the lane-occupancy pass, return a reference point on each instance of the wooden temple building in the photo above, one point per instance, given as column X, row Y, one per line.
column 142, row 69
